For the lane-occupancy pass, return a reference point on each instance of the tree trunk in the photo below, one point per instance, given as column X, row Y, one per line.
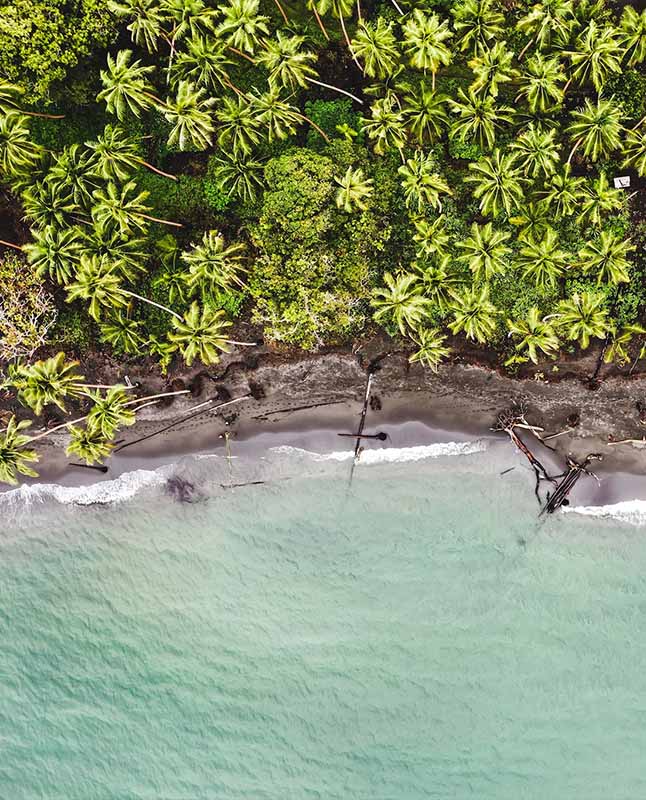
column 40, row 114
column 347, row 41
column 157, row 170
column 335, row 89
column 320, row 22
column 162, row 221
column 399, row 11
column 282, row 11
column 10, row 244
column 573, row 150
column 315, row 126
column 151, row 302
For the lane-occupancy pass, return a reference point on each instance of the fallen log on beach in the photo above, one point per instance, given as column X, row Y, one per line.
column 559, row 496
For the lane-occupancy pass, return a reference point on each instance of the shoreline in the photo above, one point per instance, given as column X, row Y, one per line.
column 304, row 402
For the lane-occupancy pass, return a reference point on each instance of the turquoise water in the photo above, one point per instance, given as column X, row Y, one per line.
column 418, row 636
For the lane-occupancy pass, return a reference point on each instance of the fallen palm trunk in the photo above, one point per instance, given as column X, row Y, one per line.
column 559, row 496
column 362, row 423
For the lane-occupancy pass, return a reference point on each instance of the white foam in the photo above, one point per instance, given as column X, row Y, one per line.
column 391, row 455
column 632, row 511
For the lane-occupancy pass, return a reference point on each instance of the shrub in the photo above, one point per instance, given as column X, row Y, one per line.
column 335, row 117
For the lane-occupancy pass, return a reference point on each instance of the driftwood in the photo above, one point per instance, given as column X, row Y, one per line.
column 362, row 423
column 559, row 496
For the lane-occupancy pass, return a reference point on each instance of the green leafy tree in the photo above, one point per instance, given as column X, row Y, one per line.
column 633, row 35
column 617, row 350
column 431, row 237
column 431, row 348
column 354, row 190
column 376, row 46
column 537, row 152
column 634, row 151
column 50, row 381
column 421, row 182
column 88, row 444
column 287, row 63
column 14, row 455
column 386, row 125
column 533, row 219
column 546, row 22
column 122, row 333
column 276, row 115
column 124, row 209
column 146, row 27
column 475, row 314
column 479, row 118
column 97, row 281
column 18, row 154
column 116, row 155
column 401, row 301
column 607, row 257
column 439, row 281
column 73, row 173
column 47, row 203
column 238, row 126
column 188, row 113
column 543, row 260
column 426, row 41
column 485, row 251
column 110, row 411
column 597, row 127
column 535, row 333
column 205, row 63
column 583, row 317
column 600, row 199
column 498, row 183
column 201, row 334
column 241, row 177
column 564, row 193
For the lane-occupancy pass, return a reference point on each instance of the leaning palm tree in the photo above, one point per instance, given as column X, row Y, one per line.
column 385, row 126
column 541, row 83
column 46, row 382
column 542, row 259
column 239, row 126
column 485, row 251
column 479, row 117
column 477, row 22
column 425, row 113
column 188, row 113
column 116, row 155
column 599, row 200
column 421, row 183
column 214, row 266
column 55, row 252
column 492, row 67
column 126, row 88
column 123, row 333
column 129, row 255
column 205, row 63
column 14, row 457
column 241, row 177
column 535, row 333
column 147, row 23
column 583, row 317
column 632, row 35
column 431, row 348
column 89, row 444
column 498, row 183
column 376, row 46
column 243, row 26
column 354, row 190
column 110, row 411
column 597, row 127
column 475, row 314
column 438, row 280
column 201, row 334
column 596, row 56
column 537, row 152
column 426, row 40
column 18, row 154
column 634, row 150
column 401, row 302
column 123, row 209
column 431, row 238
column 563, row 193
column 607, row 257
column 545, row 22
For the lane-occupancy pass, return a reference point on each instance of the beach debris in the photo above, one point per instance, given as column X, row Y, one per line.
column 362, row 423
column 381, row 435
column 180, row 489
column 97, row 467
column 559, row 497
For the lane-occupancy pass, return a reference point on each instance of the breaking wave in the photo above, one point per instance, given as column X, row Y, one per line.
column 392, row 455
column 631, row 511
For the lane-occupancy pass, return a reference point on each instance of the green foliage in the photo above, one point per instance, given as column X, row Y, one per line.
column 334, row 117
column 182, row 201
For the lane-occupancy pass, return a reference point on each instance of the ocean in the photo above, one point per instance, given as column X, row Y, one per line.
column 420, row 633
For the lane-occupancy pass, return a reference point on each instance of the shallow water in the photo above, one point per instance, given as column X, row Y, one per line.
column 420, row 634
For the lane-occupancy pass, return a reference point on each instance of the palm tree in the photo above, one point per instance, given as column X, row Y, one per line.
column 545, row 21
column 541, row 83
column 401, row 302
column 563, row 193
column 431, row 237
column 536, row 333
column 205, row 63
column 425, row 114
column 14, row 458
column 426, row 42
column 492, row 67
column 18, row 154
column 376, row 46
column 438, row 280
column 55, row 252
column 122, row 333
column 201, row 334
column 498, row 183
column 597, row 55
column 479, row 118
column 421, row 183
column 116, row 155
column 542, row 259
column 354, row 190
column 110, row 411
column 239, row 126
column 582, row 317
column 88, row 444
column 10, row 94
column 474, row 314
column 243, row 27
column 279, row 117
column 240, row 176
column 188, row 114
column 485, row 251
column 46, row 382
column 213, row 265
column 126, row 89
column 633, row 36
column 617, row 349
column 385, row 125
column 121, row 208
column 533, row 219
column 431, row 348
column 477, row 22
column 163, row 350
column 597, row 127
column 146, row 26
column 190, row 18
column 600, row 200
column 635, row 151
column 128, row 255
column 607, row 256
column 73, row 172
column 46, row 203
column 537, row 152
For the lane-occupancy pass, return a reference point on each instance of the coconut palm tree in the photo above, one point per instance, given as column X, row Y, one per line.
column 485, row 251
column 431, row 238
column 188, row 18
column 617, row 349
column 401, row 302
column 123, row 209
column 55, row 252
column 46, row 382
column 425, row 114
column 478, row 117
column 116, row 155
column 238, row 126
column 426, row 40
column 126, row 88
column 542, row 259
column 632, row 35
column 537, row 152
column 607, row 256
column 498, row 183
column 213, row 265
column 583, row 317
column 354, row 190
column 129, row 255
column 474, row 314
column 634, row 151
column 147, row 20
column 477, row 22
column 439, row 281
column 545, row 22
column 18, row 154
column 188, row 113
column 596, row 56
column 122, row 333
column 14, row 457
column 597, row 127
column 163, row 351
column 243, row 26
column 240, row 176
column 88, row 444
column 376, row 46
column 421, row 183
column 491, row 67
column 535, row 333
column 385, row 125
column 73, row 172
column 110, row 411
column 204, row 63
column 432, row 349
column 276, row 115
column 564, row 193
column 533, row 219
column 541, row 83
column 46, row 203
column 201, row 334
column 600, row 199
